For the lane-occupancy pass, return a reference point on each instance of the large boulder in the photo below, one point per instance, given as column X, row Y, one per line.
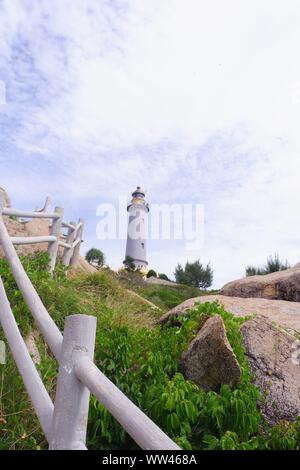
column 274, row 358
column 4, row 195
column 209, row 360
column 283, row 285
column 283, row 312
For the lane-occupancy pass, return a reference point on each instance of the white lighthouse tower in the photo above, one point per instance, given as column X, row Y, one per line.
column 137, row 229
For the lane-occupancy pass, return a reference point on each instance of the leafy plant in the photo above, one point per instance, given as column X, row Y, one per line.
column 194, row 274
column 163, row 276
column 274, row 264
column 129, row 264
column 151, row 273
column 95, row 257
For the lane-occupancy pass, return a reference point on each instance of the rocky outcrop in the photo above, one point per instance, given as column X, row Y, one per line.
column 4, row 195
column 285, row 313
column 209, row 360
column 162, row 282
column 274, row 358
column 282, row 285
column 32, row 228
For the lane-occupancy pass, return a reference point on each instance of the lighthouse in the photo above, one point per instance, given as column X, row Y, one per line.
column 137, row 228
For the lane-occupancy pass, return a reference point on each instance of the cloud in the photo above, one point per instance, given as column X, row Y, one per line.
column 196, row 101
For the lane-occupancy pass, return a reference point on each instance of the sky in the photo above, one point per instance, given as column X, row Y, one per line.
column 197, row 101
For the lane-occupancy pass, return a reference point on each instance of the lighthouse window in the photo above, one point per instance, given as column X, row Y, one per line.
column 143, row 245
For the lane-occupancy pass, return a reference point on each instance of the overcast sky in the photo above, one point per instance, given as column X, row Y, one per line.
column 198, row 101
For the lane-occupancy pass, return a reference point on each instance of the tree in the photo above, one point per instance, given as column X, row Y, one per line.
column 253, row 271
column 179, row 274
column 95, row 257
column 151, row 273
column 164, row 277
column 273, row 264
column 129, row 264
column 194, row 274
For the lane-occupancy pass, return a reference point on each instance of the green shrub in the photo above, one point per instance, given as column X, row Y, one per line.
column 273, row 264
column 151, row 273
column 143, row 363
column 95, row 257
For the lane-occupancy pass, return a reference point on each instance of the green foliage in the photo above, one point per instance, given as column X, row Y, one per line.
column 273, row 264
column 194, row 274
column 167, row 297
column 151, row 273
column 95, row 257
column 129, row 264
column 163, row 276
column 143, row 363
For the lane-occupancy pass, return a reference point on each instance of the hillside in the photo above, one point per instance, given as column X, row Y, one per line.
column 142, row 360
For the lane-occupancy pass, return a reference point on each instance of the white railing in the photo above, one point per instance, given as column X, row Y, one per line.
column 65, row 422
column 70, row 242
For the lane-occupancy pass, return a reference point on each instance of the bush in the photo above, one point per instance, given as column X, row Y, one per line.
column 151, row 273
column 194, row 274
column 95, row 257
column 273, row 264
column 145, row 366
column 129, row 264
column 163, row 276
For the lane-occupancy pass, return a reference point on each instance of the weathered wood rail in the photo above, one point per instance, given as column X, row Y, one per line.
column 64, row 423
column 70, row 242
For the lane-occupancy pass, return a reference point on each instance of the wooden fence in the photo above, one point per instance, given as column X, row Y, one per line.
column 64, row 423
column 70, row 241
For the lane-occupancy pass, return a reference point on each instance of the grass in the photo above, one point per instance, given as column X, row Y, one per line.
column 142, row 360
column 165, row 297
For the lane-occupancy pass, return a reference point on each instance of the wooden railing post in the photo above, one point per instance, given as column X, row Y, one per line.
column 72, row 397
column 32, row 381
column 55, row 231
column 69, row 251
column 76, row 252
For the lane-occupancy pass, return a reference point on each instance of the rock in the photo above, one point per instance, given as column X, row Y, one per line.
column 162, row 282
column 209, row 360
column 274, row 358
column 5, row 196
column 282, row 285
column 283, row 312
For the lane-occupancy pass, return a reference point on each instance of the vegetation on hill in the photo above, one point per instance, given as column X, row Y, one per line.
column 129, row 264
column 273, row 264
column 142, row 360
column 151, row 273
column 95, row 257
column 194, row 274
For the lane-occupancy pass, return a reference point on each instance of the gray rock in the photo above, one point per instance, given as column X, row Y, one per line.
column 4, row 194
column 209, row 360
column 282, row 285
column 287, row 314
column 274, row 358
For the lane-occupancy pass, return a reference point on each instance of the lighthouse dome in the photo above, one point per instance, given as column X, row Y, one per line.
column 138, row 192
